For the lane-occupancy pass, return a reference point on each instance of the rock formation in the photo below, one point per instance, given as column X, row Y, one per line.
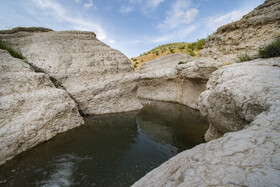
column 177, row 78
column 99, row 78
column 229, row 95
column 237, row 96
column 32, row 109
column 256, row 29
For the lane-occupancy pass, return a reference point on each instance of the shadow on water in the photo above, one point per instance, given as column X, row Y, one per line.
column 109, row 150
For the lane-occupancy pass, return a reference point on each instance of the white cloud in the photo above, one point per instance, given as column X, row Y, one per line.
column 154, row 3
column 63, row 15
column 145, row 6
column 126, row 9
column 180, row 14
column 89, row 5
column 111, row 41
column 217, row 21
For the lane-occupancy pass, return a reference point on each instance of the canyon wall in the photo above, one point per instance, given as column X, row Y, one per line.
column 32, row 109
column 256, row 29
column 237, row 96
column 176, row 78
column 242, row 104
column 98, row 78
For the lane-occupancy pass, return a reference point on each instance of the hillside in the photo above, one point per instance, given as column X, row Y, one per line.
column 192, row 49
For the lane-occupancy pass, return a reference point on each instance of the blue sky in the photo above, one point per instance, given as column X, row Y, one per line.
column 131, row 26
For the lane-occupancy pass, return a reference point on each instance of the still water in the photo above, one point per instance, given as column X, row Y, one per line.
column 109, row 150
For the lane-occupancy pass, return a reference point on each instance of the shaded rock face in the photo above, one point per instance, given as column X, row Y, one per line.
column 256, row 29
column 166, row 80
column 32, row 110
column 99, row 78
column 237, row 96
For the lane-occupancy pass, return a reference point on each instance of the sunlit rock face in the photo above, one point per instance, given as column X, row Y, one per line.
column 32, row 109
column 100, row 79
column 254, row 30
column 243, row 97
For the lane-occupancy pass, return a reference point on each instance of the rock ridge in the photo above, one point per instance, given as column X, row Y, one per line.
column 100, row 79
column 256, row 29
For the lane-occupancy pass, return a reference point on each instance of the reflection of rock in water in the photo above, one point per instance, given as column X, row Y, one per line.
column 156, row 132
column 169, row 122
column 109, row 150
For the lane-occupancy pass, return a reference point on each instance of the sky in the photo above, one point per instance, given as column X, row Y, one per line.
column 131, row 26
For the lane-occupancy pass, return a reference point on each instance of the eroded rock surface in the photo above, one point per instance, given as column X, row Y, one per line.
column 99, row 78
column 239, row 92
column 32, row 110
column 256, row 29
column 176, row 78
column 237, row 96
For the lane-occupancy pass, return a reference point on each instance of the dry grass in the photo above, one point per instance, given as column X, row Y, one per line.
column 192, row 49
column 25, row 29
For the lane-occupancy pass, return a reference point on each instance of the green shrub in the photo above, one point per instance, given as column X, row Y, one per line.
column 200, row 44
column 172, row 51
column 244, row 57
column 271, row 50
column 190, row 52
column 10, row 50
column 157, row 53
column 182, row 48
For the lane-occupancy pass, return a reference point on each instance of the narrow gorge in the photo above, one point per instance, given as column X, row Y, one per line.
column 69, row 76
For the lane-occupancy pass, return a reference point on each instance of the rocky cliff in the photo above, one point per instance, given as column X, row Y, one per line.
column 177, row 78
column 242, row 104
column 32, row 109
column 237, row 96
column 99, row 78
column 256, row 29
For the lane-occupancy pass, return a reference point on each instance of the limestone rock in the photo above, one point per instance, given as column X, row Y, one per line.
column 159, row 80
column 99, row 78
column 32, row 110
column 237, row 96
column 256, row 29
column 177, row 78
column 200, row 68
column 239, row 92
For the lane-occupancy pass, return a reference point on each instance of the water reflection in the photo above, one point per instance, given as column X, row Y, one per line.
column 109, row 150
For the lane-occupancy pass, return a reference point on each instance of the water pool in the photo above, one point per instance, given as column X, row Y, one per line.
column 109, row 150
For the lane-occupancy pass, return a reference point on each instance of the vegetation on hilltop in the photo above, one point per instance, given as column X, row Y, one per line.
column 163, row 50
column 25, row 29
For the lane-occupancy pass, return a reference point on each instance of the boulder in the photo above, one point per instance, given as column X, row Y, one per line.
column 243, row 97
column 98, row 78
column 236, row 94
column 32, row 109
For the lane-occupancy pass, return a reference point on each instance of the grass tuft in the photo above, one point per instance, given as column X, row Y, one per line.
column 271, row 50
column 244, row 57
column 10, row 50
